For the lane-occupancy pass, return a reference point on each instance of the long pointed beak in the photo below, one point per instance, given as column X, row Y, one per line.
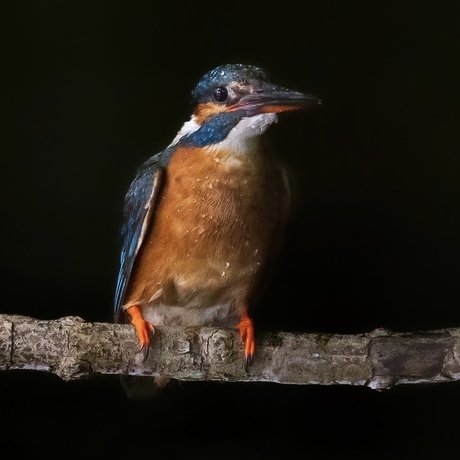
column 271, row 98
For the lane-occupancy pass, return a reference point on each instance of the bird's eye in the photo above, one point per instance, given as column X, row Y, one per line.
column 220, row 94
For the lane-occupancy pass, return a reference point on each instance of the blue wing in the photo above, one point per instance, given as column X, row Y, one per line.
column 139, row 207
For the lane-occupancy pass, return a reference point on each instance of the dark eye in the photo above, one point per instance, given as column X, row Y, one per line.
column 220, row 94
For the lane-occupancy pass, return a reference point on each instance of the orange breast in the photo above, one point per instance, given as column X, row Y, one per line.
column 214, row 231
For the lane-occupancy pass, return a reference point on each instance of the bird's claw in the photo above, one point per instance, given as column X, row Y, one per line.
column 144, row 349
column 246, row 328
column 143, row 329
column 248, row 360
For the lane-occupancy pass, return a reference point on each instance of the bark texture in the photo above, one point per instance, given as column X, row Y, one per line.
column 73, row 348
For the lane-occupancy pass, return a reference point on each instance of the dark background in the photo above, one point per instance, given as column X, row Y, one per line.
column 92, row 89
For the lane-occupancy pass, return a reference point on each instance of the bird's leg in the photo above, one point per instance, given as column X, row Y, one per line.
column 246, row 328
column 143, row 327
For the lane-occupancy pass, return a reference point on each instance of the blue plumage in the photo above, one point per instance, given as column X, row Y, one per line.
column 139, row 203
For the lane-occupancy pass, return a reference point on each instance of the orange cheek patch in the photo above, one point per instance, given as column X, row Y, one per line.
column 204, row 111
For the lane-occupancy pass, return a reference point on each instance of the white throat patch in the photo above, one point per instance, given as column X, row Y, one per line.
column 187, row 128
column 247, row 131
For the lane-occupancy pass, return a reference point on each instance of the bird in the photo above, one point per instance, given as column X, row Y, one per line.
column 204, row 219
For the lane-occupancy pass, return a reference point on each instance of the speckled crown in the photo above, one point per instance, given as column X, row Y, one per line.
column 224, row 74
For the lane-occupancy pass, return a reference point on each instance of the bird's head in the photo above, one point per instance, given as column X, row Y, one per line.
column 237, row 97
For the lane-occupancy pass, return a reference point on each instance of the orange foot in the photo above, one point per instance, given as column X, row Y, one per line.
column 246, row 328
column 143, row 327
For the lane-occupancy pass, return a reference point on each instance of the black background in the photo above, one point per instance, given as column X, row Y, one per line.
column 92, row 89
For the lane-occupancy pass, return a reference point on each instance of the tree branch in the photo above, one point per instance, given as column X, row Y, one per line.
column 73, row 348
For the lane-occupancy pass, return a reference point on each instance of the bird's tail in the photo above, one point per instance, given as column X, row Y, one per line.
column 145, row 388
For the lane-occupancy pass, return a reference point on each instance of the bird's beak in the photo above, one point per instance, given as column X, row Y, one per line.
column 272, row 98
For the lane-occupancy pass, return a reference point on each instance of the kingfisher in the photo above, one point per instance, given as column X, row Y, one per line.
column 204, row 219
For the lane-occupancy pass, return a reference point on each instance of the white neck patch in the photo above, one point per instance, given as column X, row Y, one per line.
column 187, row 128
column 246, row 132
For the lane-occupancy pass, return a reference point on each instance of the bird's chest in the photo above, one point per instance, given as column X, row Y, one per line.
column 214, row 227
